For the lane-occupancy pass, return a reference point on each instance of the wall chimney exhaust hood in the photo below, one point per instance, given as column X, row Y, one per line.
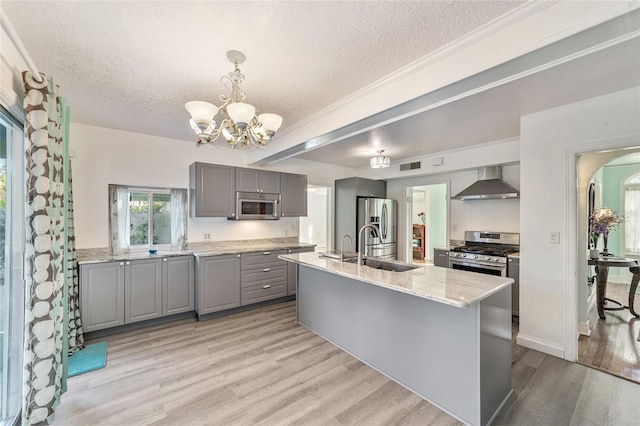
column 489, row 186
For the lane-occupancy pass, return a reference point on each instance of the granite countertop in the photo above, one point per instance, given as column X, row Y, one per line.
column 216, row 248
column 449, row 286
column 514, row 255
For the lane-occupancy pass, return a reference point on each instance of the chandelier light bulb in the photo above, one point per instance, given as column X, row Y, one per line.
column 201, row 112
column 270, row 122
column 240, row 112
column 381, row 161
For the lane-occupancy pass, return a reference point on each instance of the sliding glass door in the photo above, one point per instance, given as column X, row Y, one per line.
column 11, row 267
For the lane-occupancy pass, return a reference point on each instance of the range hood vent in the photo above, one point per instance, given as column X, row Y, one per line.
column 489, row 186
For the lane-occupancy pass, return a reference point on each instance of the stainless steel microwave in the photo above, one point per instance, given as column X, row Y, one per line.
column 257, row 206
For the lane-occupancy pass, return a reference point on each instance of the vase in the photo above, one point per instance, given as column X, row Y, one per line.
column 594, row 254
column 605, row 251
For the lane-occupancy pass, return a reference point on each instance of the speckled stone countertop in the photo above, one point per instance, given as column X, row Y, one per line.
column 514, row 255
column 215, row 248
column 449, row 286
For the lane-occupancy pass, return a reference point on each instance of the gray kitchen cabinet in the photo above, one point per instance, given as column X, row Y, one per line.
column 441, row 257
column 178, row 285
column 143, row 290
column 513, row 271
column 217, row 283
column 292, row 269
column 212, row 190
column 371, row 188
column 263, row 276
column 294, row 195
column 102, row 295
column 254, row 180
column 347, row 192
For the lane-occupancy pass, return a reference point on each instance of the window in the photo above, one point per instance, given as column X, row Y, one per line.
column 632, row 213
column 11, row 282
column 145, row 217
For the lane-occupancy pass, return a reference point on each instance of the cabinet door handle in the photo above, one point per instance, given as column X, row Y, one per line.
column 266, row 269
column 128, row 263
column 266, row 286
column 164, row 260
column 510, row 260
column 266, row 252
column 121, row 263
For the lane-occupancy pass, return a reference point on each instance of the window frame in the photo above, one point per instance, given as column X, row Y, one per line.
column 150, row 193
column 629, row 185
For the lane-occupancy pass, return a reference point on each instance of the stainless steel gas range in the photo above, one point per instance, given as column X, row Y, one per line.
column 485, row 252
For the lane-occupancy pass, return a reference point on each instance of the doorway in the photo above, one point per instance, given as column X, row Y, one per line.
column 315, row 227
column 612, row 344
column 427, row 219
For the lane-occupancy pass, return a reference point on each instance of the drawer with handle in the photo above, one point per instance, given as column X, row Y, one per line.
column 268, row 274
column 262, row 258
column 262, row 292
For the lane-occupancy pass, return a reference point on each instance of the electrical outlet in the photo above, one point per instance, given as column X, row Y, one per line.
column 554, row 238
column 207, row 235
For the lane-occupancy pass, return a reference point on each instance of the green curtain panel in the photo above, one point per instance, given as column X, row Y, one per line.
column 50, row 290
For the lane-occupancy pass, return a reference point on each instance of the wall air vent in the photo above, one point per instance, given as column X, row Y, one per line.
column 410, row 166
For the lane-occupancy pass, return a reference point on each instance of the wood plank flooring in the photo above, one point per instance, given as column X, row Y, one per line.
column 261, row 368
column 613, row 345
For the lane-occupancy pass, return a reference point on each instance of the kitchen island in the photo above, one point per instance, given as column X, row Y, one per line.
column 442, row 333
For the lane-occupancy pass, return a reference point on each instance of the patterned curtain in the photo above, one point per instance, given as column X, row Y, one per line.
column 76, row 338
column 46, row 292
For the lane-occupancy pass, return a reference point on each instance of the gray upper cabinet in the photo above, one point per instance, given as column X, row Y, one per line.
column 371, row 188
column 143, row 297
column 254, row 180
column 294, row 195
column 218, row 283
column 102, row 295
column 212, row 190
column 178, row 285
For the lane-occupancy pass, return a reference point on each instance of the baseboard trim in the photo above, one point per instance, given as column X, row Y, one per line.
column 583, row 328
column 540, row 345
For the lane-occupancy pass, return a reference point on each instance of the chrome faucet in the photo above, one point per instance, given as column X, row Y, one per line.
column 342, row 246
column 376, row 233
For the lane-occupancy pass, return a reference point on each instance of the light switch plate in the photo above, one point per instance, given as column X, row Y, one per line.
column 554, row 238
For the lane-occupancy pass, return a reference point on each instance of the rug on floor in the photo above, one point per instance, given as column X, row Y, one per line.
column 92, row 357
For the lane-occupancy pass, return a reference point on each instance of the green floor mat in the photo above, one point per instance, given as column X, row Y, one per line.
column 92, row 357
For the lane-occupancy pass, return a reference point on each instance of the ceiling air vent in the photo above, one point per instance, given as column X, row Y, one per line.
column 410, row 166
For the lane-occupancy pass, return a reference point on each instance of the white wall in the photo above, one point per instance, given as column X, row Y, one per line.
column 103, row 156
column 491, row 215
column 550, row 141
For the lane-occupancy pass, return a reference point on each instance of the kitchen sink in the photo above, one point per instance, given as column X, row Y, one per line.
column 385, row 265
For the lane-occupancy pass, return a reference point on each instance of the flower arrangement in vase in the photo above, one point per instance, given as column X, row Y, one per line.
column 601, row 222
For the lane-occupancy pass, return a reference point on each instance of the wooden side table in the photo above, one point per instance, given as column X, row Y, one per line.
column 602, row 265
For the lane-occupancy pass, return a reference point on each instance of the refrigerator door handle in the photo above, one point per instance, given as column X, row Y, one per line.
column 383, row 222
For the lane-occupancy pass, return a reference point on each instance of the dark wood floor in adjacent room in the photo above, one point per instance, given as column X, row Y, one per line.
column 613, row 345
column 260, row 367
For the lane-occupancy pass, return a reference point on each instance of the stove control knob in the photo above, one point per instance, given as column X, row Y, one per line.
column 487, row 258
column 463, row 255
column 476, row 256
column 495, row 259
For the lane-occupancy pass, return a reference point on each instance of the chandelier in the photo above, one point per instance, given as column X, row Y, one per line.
column 380, row 161
column 239, row 125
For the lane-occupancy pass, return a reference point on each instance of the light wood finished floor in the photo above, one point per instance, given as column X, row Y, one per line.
column 613, row 345
column 260, row 367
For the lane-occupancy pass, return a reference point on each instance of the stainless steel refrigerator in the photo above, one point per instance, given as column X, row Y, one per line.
column 380, row 212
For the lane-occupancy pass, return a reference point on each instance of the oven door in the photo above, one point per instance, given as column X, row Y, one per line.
column 499, row 270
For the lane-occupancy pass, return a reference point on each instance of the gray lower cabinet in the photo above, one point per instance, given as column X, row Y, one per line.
column 218, row 283
column 292, row 271
column 143, row 290
column 263, row 276
column 441, row 257
column 102, row 295
column 212, row 190
column 293, row 195
column 124, row 292
column 513, row 271
column 178, row 285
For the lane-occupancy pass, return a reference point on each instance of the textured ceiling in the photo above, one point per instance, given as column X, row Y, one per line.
column 131, row 65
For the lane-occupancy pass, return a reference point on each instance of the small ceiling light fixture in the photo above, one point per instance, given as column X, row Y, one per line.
column 380, row 161
column 240, row 126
